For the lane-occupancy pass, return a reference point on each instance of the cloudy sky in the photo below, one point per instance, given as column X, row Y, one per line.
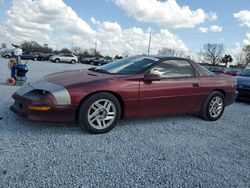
column 124, row 25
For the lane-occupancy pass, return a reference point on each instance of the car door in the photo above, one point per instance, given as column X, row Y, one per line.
column 178, row 90
column 63, row 57
column 25, row 55
column 70, row 57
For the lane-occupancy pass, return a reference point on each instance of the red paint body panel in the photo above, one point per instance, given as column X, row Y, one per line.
column 169, row 96
column 137, row 97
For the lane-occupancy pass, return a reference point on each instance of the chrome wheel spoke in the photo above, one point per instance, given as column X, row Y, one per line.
column 93, row 119
column 101, row 114
column 216, row 107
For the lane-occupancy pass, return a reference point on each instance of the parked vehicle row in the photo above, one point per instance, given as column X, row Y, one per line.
column 63, row 57
column 224, row 70
column 95, row 61
column 36, row 56
column 243, row 84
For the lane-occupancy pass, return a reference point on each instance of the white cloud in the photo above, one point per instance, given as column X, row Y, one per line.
column 112, row 26
column 212, row 28
column 212, row 16
column 243, row 16
column 203, row 29
column 93, row 21
column 165, row 13
column 113, row 39
column 216, row 28
column 42, row 21
column 55, row 23
column 247, row 40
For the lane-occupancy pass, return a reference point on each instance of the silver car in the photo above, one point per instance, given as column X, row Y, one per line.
column 69, row 58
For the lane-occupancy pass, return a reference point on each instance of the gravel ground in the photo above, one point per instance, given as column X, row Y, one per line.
column 171, row 151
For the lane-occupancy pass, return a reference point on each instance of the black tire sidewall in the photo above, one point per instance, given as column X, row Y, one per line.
column 82, row 116
column 207, row 103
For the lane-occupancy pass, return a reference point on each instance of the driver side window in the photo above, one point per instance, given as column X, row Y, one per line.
column 174, row 69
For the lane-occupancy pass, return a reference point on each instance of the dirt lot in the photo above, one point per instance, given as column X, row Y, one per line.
column 171, row 151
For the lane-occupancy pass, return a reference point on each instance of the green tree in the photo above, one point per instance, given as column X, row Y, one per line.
column 65, row 50
column 227, row 59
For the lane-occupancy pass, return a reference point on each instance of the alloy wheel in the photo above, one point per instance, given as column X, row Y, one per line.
column 101, row 114
column 216, row 107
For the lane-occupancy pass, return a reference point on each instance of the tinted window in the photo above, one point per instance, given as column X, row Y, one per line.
column 128, row 66
column 174, row 69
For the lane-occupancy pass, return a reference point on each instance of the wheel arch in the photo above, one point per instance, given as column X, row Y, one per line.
column 221, row 91
column 115, row 94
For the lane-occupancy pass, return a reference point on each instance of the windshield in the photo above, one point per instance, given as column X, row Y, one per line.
column 127, row 66
column 245, row 72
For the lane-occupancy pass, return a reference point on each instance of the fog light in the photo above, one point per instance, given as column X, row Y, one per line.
column 39, row 108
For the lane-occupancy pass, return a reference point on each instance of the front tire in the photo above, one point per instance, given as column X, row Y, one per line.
column 73, row 62
column 57, row 60
column 213, row 107
column 99, row 113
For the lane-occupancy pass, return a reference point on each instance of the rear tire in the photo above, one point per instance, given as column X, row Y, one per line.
column 99, row 113
column 213, row 107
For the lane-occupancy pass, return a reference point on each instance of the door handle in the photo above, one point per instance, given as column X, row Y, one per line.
column 195, row 84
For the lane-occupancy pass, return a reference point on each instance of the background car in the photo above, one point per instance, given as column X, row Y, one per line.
column 243, row 84
column 30, row 56
column 137, row 86
column 41, row 56
column 88, row 60
column 232, row 71
column 48, row 55
column 217, row 69
column 95, row 61
column 6, row 55
column 100, row 62
column 69, row 58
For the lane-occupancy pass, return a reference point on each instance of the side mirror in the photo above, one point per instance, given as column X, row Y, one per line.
column 149, row 77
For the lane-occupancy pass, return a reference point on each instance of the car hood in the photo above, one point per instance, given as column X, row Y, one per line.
column 75, row 77
column 243, row 80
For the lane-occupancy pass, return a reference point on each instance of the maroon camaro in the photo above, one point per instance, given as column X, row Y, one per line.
column 136, row 86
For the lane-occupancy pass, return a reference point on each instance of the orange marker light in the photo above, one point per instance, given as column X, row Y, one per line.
column 39, row 108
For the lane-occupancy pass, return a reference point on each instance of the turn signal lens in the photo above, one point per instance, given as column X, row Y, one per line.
column 39, row 108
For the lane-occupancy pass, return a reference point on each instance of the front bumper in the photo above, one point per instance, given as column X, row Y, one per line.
column 56, row 113
column 43, row 93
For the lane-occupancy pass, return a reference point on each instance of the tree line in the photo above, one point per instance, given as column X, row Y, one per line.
column 214, row 54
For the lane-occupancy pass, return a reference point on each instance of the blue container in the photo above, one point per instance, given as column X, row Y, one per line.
column 21, row 70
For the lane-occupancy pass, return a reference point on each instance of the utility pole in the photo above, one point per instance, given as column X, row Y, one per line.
column 95, row 47
column 149, row 43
